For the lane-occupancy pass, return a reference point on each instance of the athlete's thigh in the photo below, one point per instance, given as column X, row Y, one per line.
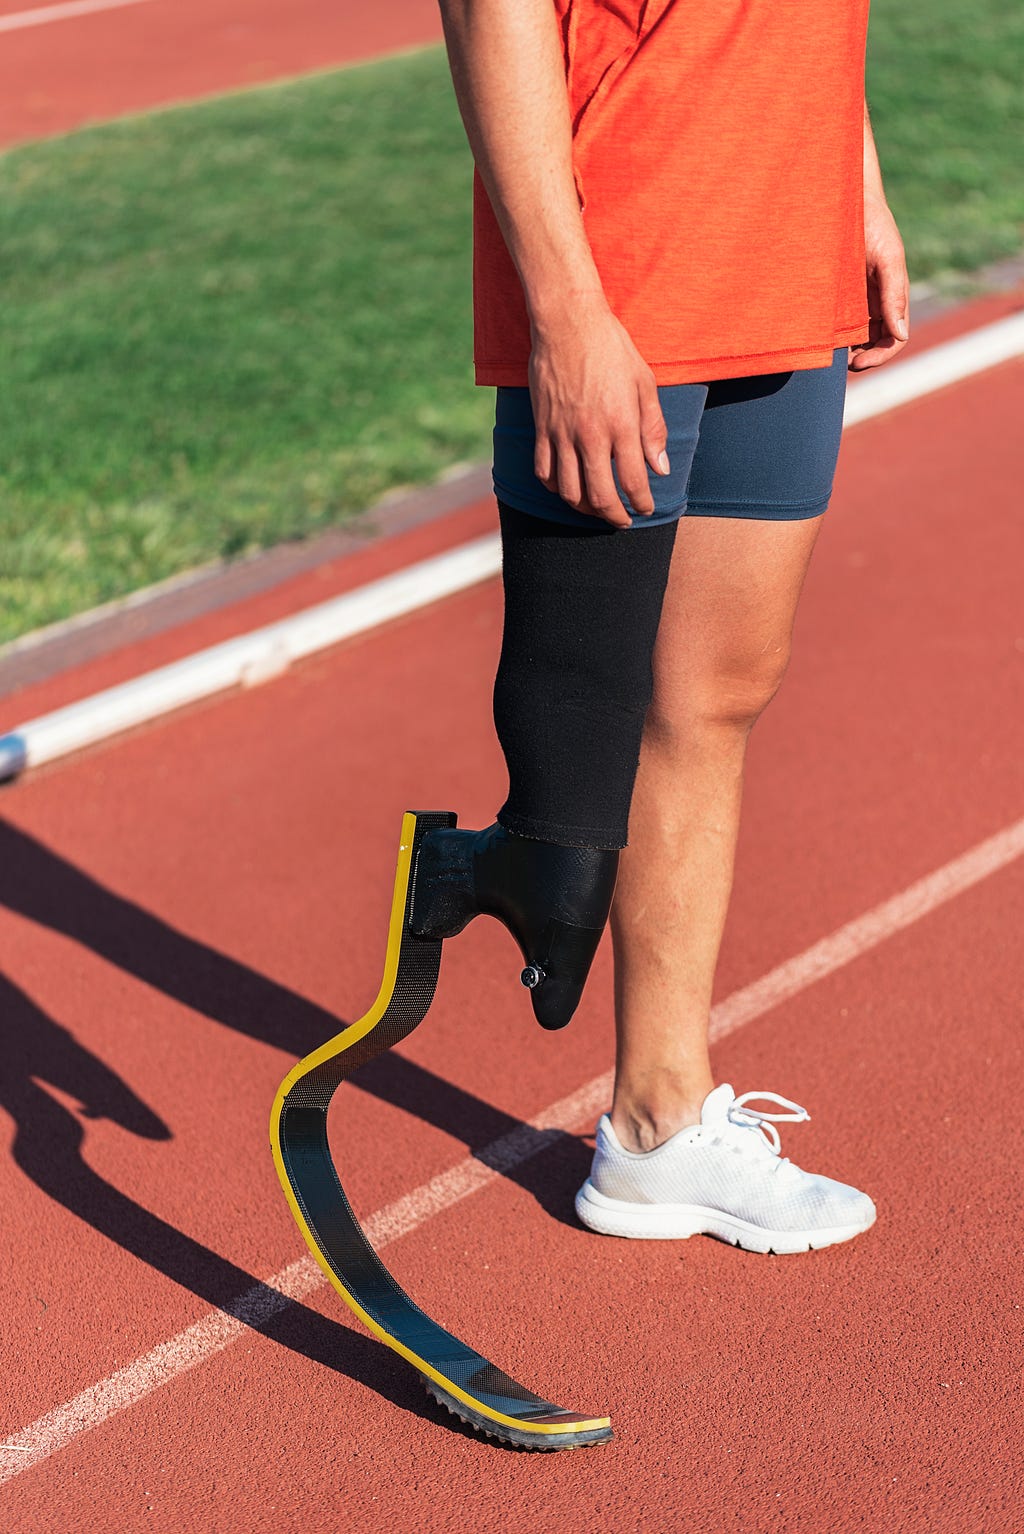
column 727, row 619
column 761, row 478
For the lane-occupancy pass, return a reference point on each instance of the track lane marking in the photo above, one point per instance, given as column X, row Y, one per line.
column 43, row 15
column 937, row 368
column 267, row 652
column 215, row 1331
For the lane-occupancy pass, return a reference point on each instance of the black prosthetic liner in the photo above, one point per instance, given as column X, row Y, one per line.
column 574, row 680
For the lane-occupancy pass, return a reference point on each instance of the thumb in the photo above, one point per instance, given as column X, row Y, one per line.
column 653, row 431
column 894, row 303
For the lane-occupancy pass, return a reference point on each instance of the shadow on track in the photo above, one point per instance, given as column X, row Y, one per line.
column 48, row 1149
column 37, row 883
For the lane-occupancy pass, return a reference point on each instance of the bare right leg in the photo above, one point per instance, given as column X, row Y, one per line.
column 721, row 652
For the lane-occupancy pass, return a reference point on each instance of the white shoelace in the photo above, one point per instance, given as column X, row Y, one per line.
column 751, row 1118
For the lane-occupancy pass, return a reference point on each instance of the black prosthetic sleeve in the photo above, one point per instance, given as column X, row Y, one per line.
column 581, row 615
column 582, row 608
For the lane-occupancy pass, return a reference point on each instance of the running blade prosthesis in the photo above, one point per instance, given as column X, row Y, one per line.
column 455, row 1375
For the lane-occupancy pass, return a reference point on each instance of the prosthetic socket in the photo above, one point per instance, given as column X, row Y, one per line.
column 554, row 900
column 573, row 685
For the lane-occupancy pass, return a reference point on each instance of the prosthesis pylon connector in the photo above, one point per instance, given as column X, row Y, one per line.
column 461, row 1379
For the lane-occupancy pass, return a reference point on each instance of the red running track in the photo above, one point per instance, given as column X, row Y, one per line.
column 187, row 909
column 88, row 68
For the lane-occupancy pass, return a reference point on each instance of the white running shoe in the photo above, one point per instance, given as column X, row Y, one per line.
column 722, row 1177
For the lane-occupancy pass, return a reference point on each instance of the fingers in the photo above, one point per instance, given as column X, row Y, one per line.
column 595, row 404
column 653, row 432
column 895, row 307
column 889, row 307
column 600, row 493
column 557, row 467
column 582, row 476
column 581, row 473
column 632, row 471
column 633, row 450
column 544, row 459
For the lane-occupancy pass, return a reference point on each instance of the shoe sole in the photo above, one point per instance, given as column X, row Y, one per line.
column 676, row 1222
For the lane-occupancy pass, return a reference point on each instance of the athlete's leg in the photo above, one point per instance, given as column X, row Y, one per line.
column 761, row 476
column 678, row 1156
column 573, row 684
column 721, row 652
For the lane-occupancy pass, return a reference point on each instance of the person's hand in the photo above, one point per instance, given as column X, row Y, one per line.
column 594, row 399
column 888, row 290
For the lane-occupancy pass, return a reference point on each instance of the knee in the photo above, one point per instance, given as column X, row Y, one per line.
column 731, row 695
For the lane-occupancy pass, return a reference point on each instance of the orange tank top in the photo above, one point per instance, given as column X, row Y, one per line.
column 718, row 157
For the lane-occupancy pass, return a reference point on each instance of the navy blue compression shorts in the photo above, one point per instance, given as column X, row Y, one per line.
column 763, row 447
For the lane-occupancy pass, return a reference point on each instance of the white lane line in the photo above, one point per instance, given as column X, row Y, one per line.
column 867, row 931
column 936, row 368
column 248, row 660
column 267, row 652
column 16, row 21
column 219, row 1328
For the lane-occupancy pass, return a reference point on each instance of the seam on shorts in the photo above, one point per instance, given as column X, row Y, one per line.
column 766, row 511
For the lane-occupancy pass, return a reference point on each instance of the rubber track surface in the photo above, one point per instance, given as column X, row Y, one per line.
column 90, row 68
column 188, row 910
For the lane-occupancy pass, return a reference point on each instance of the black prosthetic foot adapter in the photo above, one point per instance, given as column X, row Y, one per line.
column 454, row 1374
column 554, row 900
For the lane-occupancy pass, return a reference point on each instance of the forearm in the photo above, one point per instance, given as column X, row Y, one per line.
column 874, row 192
column 888, row 287
column 509, row 75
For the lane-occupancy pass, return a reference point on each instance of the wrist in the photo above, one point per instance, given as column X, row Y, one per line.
column 565, row 312
column 877, row 216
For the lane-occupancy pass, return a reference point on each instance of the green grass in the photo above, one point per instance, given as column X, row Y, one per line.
column 944, row 89
column 239, row 322
column 227, row 325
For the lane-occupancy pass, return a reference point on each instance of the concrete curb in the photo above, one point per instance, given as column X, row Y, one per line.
column 153, row 610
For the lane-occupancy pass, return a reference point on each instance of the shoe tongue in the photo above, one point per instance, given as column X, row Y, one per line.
column 717, row 1104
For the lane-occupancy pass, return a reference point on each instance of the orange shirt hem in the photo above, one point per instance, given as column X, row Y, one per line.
column 699, row 369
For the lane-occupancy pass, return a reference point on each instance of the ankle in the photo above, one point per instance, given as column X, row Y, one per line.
column 654, row 1099
column 644, row 1126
